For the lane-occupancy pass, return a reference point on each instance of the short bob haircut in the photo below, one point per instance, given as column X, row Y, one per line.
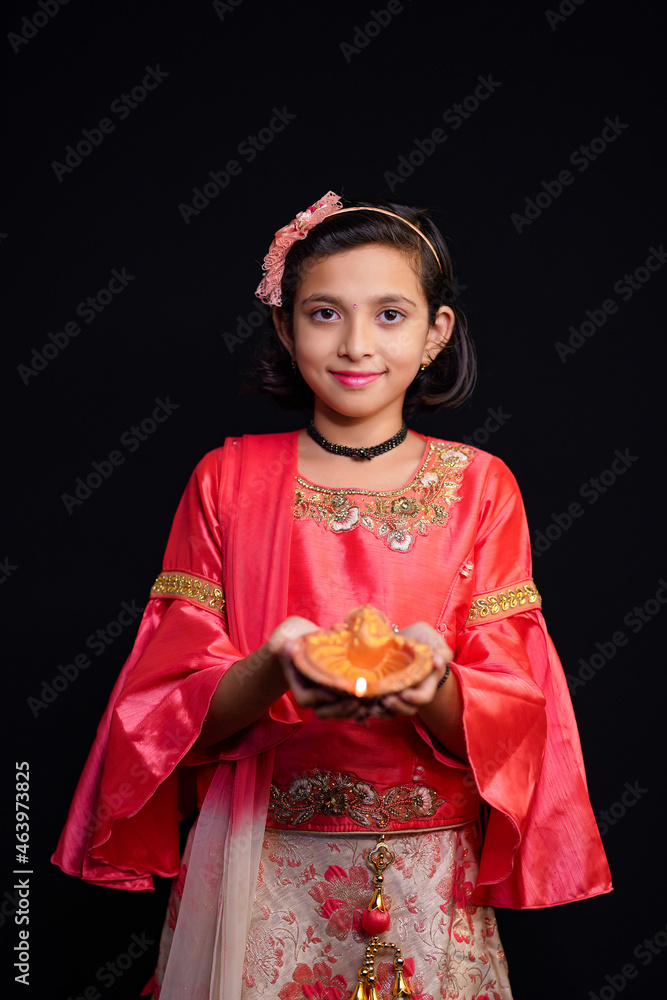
column 449, row 379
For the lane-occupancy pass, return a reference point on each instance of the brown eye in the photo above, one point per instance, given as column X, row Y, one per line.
column 324, row 313
column 391, row 315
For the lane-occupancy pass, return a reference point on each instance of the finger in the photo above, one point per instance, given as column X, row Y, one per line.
column 288, row 632
column 423, row 632
column 397, row 706
column 378, row 711
column 422, row 693
column 305, row 692
column 425, row 691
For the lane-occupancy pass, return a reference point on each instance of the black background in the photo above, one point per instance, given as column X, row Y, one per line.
column 67, row 573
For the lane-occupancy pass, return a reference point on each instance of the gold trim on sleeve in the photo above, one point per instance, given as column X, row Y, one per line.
column 497, row 604
column 192, row 588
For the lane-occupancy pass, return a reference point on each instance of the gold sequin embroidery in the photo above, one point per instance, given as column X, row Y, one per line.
column 502, row 603
column 335, row 793
column 192, row 588
column 397, row 516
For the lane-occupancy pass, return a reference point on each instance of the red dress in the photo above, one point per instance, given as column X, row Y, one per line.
column 252, row 543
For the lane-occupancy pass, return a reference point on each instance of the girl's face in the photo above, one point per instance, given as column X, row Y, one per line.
column 360, row 331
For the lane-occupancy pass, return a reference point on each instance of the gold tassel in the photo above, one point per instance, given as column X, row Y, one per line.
column 371, row 992
column 400, row 988
column 381, row 857
column 375, row 919
column 360, row 992
column 377, row 902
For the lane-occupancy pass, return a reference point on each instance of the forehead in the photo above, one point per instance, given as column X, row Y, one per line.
column 368, row 269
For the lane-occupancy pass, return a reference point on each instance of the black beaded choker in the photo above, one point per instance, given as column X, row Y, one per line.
column 361, row 453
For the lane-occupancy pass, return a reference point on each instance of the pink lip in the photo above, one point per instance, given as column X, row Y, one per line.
column 356, row 378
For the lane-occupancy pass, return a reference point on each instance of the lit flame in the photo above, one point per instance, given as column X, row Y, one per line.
column 360, row 687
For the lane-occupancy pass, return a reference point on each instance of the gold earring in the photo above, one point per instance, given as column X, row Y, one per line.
column 422, row 368
column 294, row 365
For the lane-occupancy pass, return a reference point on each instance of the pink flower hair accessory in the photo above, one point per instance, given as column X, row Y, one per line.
column 268, row 289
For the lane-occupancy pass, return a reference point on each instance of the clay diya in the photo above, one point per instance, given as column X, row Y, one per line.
column 363, row 656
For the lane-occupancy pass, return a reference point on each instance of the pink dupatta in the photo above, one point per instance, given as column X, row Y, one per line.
column 206, row 958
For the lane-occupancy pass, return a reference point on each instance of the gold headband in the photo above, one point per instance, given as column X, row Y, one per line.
column 269, row 289
column 383, row 211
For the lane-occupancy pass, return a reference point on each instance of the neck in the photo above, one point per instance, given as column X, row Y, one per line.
column 357, row 432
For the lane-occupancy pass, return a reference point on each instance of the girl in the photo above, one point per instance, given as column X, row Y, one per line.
column 461, row 792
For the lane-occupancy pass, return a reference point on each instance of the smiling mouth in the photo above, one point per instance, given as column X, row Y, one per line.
column 356, row 378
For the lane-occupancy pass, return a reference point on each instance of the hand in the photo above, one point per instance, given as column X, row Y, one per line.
column 411, row 699
column 327, row 703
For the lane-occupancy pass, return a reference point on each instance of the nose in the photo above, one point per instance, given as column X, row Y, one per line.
column 358, row 338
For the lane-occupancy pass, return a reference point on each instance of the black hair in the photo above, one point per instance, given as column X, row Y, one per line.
column 449, row 378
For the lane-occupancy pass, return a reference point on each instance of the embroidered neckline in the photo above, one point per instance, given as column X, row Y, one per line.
column 353, row 491
column 395, row 516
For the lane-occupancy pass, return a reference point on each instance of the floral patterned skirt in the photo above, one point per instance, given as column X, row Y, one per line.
column 306, row 940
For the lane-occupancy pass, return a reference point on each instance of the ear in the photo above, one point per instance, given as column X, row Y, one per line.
column 283, row 327
column 438, row 333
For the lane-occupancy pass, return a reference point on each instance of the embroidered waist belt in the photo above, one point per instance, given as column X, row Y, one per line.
column 323, row 801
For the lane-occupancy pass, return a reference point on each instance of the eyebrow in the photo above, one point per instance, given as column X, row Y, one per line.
column 379, row 300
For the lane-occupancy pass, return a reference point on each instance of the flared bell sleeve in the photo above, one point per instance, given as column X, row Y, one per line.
column 541, row 843
column 140, row 777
